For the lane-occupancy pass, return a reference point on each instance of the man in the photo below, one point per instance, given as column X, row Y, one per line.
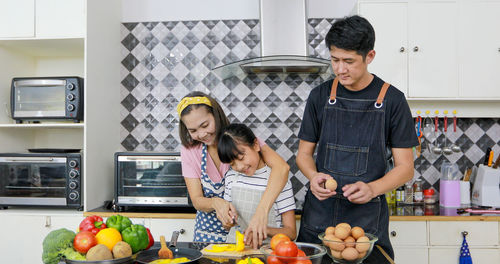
column 353, row 120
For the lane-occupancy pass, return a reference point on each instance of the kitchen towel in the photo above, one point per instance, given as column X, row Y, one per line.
column 465, row 257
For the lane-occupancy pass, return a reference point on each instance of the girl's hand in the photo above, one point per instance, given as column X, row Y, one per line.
column 256, row 231
column 317, row 186
column 358, row 192
column 222, row 209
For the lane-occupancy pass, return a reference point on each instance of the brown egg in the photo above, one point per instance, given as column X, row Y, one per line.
column 362, row 254
column 341, row 232
column 338, row 244
column 330, row 230
column 362, row 244
column 357, row 232
column 331, row 184
column 350, row 253
column 336, row 254
column 330, row 237
column 344, row 225
column 349, row 241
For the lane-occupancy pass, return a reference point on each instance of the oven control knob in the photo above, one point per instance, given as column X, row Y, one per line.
column 74, row 196
column 73, row 174
column 70, row 86
column 73, row 163
column 70, row 107
column 73, row 185
column 70, row 97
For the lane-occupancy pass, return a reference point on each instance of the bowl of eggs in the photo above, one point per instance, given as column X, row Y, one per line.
column 347, row 245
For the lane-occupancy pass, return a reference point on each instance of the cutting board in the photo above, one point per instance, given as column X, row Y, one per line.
column 230, row 254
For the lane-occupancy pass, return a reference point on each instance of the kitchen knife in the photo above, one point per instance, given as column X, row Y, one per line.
column 487, row 157
column 497, row 162
column 490, row 160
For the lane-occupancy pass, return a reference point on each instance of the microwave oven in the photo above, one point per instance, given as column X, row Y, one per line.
column 145, row 179
column 46, row 98
column 42, row 179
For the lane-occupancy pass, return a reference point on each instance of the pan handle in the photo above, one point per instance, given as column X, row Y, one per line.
column 175, row 237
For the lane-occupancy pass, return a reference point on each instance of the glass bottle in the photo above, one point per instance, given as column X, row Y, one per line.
column 408, row 193
column 400, row 195
column 418, row 196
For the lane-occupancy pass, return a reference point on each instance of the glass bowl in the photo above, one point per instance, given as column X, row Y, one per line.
column 337, row 255
column 314, row 253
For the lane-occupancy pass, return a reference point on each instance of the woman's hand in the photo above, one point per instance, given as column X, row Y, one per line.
column 317, row 186
column 224, row 210
column 256, row 231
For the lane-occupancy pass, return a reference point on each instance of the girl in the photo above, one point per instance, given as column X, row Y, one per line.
column 248, row 178
column 201, row 118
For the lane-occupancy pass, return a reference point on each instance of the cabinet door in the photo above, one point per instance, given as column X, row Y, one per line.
column 166, row 227
column 408, row 233
column 433, row 70
column 411, row 255
column 17, row 18
column 449, row 233
column 60, row 18
column 389, row 21
column 21, row 235
column 450, row 255
column 479, row 49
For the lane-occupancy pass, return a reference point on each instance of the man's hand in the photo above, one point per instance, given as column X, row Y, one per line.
column 358, row 192
column 256, row 231
column 224, row 211
column 317, row 185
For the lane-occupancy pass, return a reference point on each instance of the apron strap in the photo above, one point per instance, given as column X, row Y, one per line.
column 378, row 103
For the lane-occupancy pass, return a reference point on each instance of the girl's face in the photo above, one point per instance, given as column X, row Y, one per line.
column 201, row 125
column 249, row 161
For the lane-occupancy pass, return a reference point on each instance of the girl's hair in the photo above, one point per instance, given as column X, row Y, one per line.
column 229, row 139
column 220, row 118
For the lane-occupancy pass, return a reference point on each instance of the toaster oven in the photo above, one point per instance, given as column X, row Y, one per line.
column 42, row 98
column 149, row 180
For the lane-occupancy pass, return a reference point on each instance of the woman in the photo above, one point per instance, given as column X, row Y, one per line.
column 201, row 118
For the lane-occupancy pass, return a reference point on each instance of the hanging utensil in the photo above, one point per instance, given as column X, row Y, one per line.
column 419, row 135
column 454, row 147
column 446, row 150
column 436, row 150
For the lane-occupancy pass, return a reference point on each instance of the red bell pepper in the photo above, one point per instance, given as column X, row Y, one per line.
column 93, row 224
column 151, row 239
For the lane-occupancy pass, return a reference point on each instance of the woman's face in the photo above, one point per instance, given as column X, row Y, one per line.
column 249, row 160
column 201, row 125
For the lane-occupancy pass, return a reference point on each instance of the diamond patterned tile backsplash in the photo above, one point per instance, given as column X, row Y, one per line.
column 163, row 61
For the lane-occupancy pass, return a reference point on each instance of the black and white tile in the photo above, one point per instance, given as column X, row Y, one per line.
column 163, row 61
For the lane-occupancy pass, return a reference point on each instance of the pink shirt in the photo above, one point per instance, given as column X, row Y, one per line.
column 191, row 163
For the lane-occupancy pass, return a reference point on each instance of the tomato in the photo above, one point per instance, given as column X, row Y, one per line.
column 273, row 259
column 286, row 249
column 276, row 239
column 83, row 241
column 301, row 253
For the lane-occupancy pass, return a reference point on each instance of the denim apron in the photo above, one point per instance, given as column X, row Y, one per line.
column 208, row 228
column 351, row 148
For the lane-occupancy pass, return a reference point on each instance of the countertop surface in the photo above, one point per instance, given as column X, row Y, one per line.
column 432, row 212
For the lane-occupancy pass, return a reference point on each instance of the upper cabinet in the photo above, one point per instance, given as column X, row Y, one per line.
column 42, row 19
column 437, row 49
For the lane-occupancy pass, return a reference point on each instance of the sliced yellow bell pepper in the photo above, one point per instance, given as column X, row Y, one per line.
column 240, row 244
column 222, row 248
column 250, row 261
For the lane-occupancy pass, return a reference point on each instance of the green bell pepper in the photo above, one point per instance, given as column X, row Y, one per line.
column 118, row 222
column 136, row 236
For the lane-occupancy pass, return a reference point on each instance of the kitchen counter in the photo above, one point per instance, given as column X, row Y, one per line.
column 397, row 213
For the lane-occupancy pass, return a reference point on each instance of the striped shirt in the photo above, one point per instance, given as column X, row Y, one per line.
column 285, row 201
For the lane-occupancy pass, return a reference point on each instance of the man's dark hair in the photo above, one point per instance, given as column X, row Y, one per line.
column 352, row 33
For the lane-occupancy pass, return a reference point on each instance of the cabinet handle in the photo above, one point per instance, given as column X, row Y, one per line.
column 48, row 221
column 393, row 233
column 465, row 233
column 402, row 49
column 498, row 49
column 182, row 231
column 415, row 49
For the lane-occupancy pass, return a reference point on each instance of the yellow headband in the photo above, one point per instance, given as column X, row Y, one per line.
column 187, row 101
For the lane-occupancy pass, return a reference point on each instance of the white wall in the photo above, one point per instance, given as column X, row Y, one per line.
column 175, row 10
column 330, row 8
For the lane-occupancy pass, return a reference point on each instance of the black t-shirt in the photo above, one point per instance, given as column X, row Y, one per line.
column 399, row 128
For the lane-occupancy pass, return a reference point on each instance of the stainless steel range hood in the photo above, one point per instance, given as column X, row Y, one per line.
column 284, row 44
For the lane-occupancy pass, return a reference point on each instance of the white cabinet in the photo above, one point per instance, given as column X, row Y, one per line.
column 166, row 227
column 450, row 233
column 409, row 240
column 416, row 45
column 42, row 18
column 17, row 18
column 450, row 255
column 479, row 49
column 23, row 234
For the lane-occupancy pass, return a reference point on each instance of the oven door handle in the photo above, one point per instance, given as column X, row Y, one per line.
column 37, row 159
column 40, row 82
column 148, row 158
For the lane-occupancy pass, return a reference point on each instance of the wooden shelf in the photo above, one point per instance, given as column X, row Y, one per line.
column 63, row 47
column 45, row 125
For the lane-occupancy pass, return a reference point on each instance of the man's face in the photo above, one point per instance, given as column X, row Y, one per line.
column 349, row 67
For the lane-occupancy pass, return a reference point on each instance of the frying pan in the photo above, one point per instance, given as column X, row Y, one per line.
column 151, row 254
column 125, row 260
